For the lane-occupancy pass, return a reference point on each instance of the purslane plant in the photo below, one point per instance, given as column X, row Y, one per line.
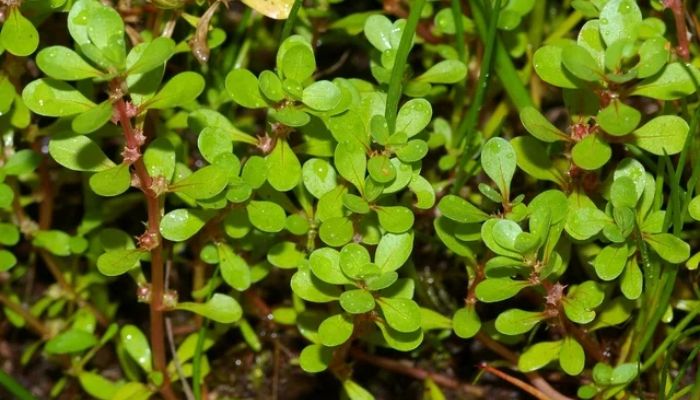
column 250, row 172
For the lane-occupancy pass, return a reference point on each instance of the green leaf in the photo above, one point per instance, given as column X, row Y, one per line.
column 79, row 153
column 325, row 265
column 581, row 300
column 6, row 196
column 298, row 62
column 266, row 216
column 676, row 81
column 220, row 308
column 423, row 189
column 9, row 234
column 54, row 98
column 381, row 169
column 539, row 355
column 572, row 358
column 111, row 182
column 271, row 86
column 623, row 192
column 581, row 63
column 204, row 183
column 400, row 314
column 355, row 204
column 540, row 127
column 156, row 53
column 353, row 259
column 694, row 208
column 18, row 35
column 668, row 247
column 181, row 224
column 351, row 163
column 414, row 150
column 619, row 19
column 234, row 269
column 321, row 96
column 632, row 282
column 55, row 241
column 495, row 290
column 653, row 56
column 97, row 386
column 447, row 71
column 133, row 391
column 610, row 262
column 547, row 61
column 414, row 116
column 285, row 255
column 181, row 89
column 378, row 31
column 466, row 322
column 64, row 64
column 515, row 321
column 136, row 345
column 393, row 251
column 93, row 119
column 591, row 153
column 335, row 330
column 498, row 162
column 356, row 301
column 160, row 158
column 336, row 231
column 70, row 341
column 618, row 118
column 310, row 288
column 284, row 169
column 7, row 260
column 355, row 391
column 531, row 158
column 243, row 87
column 319, row 177
column 401, row 341
column 118, row 262
column 315, row 358
column 395, row 219
column 22, row 162
column 665, row 134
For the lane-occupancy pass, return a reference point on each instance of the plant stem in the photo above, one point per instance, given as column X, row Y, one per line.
column 417, row 373
column 467, row 128
column 468, row 125
column 289, row 23
column 33, row 322
column 503, row 65
column 157, row 265
column 395, row 83
column 515, row 382
column 683, row 48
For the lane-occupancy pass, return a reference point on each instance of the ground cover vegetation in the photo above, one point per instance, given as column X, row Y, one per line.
column 299, row 199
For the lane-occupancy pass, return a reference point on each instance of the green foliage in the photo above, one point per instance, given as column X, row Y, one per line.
column 275, row 185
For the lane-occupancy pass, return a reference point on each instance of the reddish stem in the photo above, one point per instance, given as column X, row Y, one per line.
column 157, row 266
column 416, row 373
column 515, row 382
column 683, row 48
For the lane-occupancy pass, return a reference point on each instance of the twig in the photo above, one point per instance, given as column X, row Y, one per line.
column 515, row 382
column 536, row 379
column 417, row 373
